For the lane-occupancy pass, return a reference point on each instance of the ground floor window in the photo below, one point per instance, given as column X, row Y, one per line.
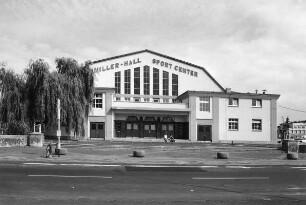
column 256, row 125
column 233, row 124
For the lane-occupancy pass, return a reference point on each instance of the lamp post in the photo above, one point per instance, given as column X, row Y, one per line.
column 58, row 132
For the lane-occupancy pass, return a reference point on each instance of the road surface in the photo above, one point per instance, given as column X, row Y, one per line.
column 47, row 183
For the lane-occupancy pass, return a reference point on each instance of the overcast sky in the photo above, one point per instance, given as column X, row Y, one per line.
column 245, row 45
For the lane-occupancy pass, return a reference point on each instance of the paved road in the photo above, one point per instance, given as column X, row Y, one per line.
column 35, row 183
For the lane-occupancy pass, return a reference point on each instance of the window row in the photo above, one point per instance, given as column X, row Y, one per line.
column 234, row 102
column 297, row 131
column 138, row 99
column 146, row 82
column 233, row 124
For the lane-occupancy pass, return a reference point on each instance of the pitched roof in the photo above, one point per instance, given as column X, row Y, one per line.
column 164, row 56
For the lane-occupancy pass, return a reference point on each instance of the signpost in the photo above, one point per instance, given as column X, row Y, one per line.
column 58, row 132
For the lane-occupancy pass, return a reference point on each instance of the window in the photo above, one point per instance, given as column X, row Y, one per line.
column 137, row 81
column 127, row 81
column 256, row 125
column 155, row 81
column 256, row 103
column 118, row 82
column 233, row 102
column 136, row 99
column 127, row 99
column 165, row 83
column 155, row 99
column 146, row 99
column 232, row 124
column 174, row 85
column 146, row 80
column 118, row 98
column 205, row 104
column 97, row 101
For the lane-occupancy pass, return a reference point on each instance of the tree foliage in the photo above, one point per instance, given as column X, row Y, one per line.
column 33, row 98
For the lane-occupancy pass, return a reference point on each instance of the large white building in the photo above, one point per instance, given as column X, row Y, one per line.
column 147, row 95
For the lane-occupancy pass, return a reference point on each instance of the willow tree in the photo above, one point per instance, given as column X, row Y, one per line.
column 71, row 83
column 13, row 115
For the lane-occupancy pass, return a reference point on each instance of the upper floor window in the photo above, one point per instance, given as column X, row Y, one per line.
column 174, row 85
column 165, row 83
column 146, row 80
column 118, row 82
column 233, row 102
column 97, row 101
column 127, row 81
column 155, row 81
column 137, row 81
column 233, row 124
column 256, row 103
column 256, row 125
column 205, row 104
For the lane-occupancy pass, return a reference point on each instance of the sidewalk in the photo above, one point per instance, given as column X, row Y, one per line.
column 156, row 153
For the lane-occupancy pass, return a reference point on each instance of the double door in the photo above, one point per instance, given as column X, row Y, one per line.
column 167, row 129
column 97, row 130
column 149, row 130
column 132, row 129
column 204, row 133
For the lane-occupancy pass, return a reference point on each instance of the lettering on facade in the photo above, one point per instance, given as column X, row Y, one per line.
column 116, row 65
column 180, row 69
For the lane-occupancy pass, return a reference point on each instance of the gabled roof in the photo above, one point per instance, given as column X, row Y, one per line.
column 164, row 56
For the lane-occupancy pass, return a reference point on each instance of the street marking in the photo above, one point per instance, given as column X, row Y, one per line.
column 167, row 166
column 230, row 178
column 37, row 163
column 298, row 167
column 92, row 165
column 67, row 176
column 243, row 167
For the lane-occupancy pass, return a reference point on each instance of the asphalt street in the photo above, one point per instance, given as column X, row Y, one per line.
column 60, row 183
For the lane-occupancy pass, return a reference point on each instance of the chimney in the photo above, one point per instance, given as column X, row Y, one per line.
column 264, row 91
column 256, row 91
column 228, row 90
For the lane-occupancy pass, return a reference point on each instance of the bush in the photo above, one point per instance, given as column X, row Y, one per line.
column 138, row 153
column 17, row 128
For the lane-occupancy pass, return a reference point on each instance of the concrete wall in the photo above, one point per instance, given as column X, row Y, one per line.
column 245, row 113
column 33, row 139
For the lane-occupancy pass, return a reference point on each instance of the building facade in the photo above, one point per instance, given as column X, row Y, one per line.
column 147, row 95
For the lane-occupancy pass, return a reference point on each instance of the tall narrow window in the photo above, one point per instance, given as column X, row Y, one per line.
column 174, row 85
column 205, row 104
column 146, row 80
column 97, row 101
column 127, row 82
column 118, row 82
column 137, row 81
column 165, row 83
column 155, row 81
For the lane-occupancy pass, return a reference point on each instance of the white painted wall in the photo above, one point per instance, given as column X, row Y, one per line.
column 245, row 113
column 203, row 114
column 99, row 111
column 186, row 81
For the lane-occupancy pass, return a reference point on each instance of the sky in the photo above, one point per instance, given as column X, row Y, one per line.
column 244, row 44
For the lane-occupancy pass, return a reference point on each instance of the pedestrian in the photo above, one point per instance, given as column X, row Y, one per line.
column 165, row 138
column 49, row 150
column 58, row 148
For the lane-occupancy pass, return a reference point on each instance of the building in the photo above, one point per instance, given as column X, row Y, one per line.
column 147, row 95
column 292, row 130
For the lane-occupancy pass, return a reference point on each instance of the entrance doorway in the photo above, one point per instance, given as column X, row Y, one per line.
column 97, row 130
column 149, row 130
column 204, row 133
column 132, row 129
column 168, row 129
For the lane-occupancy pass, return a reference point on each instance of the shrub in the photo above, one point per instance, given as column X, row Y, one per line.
column 17, row 128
